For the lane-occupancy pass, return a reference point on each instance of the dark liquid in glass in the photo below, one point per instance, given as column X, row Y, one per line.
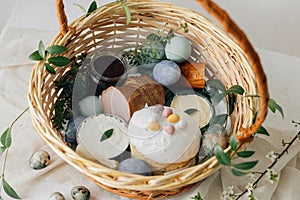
column 109, row 66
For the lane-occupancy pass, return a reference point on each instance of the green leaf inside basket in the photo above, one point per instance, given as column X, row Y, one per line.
column 59, row 61
column 41, row 49
column 49, row 68
column 191, row 111
column 107, row 134
column 92, row 8
column 222, row 157
column 216, row 84
column 233, row 143
column 35, row 56
column 127, row 12
column 56, row 49
column 236, row 89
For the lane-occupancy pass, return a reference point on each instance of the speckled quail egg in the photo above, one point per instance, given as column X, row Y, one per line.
column 135, row 166
column 57, row 196
column 80, row 193
column 39, row 160
column 178, row 49
column 166, row 72
column 215, row 134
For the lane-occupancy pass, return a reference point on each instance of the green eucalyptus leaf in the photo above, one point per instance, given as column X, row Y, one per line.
column 231, row 103
column 218, row 98
column 49, row 68
column 219, row 119
column 237, row 172
column 9, row 190
column 273, row 106
column 217, row 84
column 59, row 61
column 107, row 134
column 6, row 138
column 233, row 143
column 262, row 131
column 42, row 49
column 81, row 7
column 56, row 49
column 222, row 157
column 92, row 8
column 2, row 149
column 127, row 12
column 35, row 56
column 191, row 111
column 246, row 165
column 245, row 154
column 236, row 89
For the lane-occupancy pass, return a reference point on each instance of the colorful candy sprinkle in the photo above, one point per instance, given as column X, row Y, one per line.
column 153, row 126
column 173, row 118
column 167, row 112
column 169, row 129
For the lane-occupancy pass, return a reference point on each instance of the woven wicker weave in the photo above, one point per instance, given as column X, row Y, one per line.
column 227, row 52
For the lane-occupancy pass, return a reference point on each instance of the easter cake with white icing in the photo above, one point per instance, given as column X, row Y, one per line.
column 165, row 138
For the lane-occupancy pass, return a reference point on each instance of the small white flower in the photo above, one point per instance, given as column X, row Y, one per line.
column 271, row 155
column 272, row 176
column 249, row 188
column 228, row 194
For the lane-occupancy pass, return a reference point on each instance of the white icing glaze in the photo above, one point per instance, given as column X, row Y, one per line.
column 91, row 130
column 161, row 147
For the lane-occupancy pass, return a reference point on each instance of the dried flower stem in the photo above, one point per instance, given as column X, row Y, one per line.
column 262, row 174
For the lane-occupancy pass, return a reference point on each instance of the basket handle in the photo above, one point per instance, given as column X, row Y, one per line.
column 230, row 27
column 62, row 17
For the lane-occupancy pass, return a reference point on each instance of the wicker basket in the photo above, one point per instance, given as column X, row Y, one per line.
column 227, row 52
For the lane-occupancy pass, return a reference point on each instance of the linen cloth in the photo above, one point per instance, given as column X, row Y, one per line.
column 21, row 36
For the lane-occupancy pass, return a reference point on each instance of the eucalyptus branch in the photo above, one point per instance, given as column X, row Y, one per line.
column 262, row 174
column 6, row 143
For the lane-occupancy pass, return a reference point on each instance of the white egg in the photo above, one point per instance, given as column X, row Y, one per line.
column 90, row 105
column 179, row 49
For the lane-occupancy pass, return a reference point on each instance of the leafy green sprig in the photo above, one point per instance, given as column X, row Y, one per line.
column 6, row 141
column 51, row 56
column 93, row 6
column 224, row 158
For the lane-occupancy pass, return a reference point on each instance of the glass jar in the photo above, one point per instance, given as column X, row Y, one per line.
column 107, row 68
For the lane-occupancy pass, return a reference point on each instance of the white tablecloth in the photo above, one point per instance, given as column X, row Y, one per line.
column 20, row 38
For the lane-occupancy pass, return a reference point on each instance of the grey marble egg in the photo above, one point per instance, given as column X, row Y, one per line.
column 80, row 193
column 166, row 72
column 39, row 160
column 57, row 196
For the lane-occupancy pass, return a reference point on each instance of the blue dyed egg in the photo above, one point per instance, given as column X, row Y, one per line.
column 135, row 166
column 71, row 132
column 166, row 72
column 178, row 49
